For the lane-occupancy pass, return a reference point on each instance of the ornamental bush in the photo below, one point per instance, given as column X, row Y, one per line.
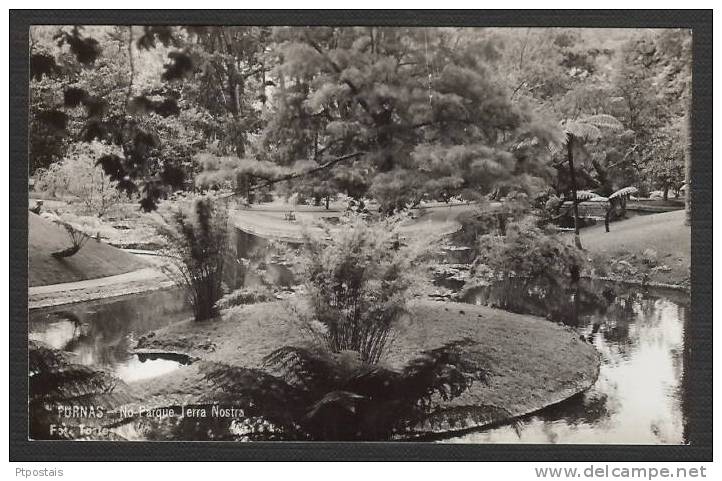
column 358, row 279
column 530, row 252
column 198, row 236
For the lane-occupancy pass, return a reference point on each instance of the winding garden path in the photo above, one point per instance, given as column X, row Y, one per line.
column 269, row 221
column 141, row 280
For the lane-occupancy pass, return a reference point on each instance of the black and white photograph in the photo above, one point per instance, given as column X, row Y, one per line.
column 439, row 234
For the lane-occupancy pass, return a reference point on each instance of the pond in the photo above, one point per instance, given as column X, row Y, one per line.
column 104, row 333
column 640, row 334
column 639, row 397
column 269, row 266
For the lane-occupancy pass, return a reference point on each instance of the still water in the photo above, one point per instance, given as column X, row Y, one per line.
column 103, row 333
column 639, row 397
column 640, row 334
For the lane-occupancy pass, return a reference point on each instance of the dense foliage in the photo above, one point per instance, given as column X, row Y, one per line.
column 198, row 245
column 79, row 180
column 306, row 393
column 56, row 383
column 416, row 113
column 529, row 252
column 358, row 282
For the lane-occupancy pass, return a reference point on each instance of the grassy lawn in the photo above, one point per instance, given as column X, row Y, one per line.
column 665, row 234
column 94, row 260
column 533, row 362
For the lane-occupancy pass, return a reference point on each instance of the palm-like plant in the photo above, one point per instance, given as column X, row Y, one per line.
column 618, row 198
column 577, row 132
column 309, row 393
column 77, row 239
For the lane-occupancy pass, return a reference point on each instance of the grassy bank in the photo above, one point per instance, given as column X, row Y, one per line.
column 533, row 362
column 652, row 248
column 94, row 260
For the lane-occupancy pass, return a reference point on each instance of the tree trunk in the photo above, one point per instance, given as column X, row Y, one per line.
column 688, row 165
column 573, row 181
column 131, row 66
column 665, row 193
column 606, row 218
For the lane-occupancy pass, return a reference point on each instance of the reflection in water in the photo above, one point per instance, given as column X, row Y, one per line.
column 102, row 333
column 263, row 255
column 140, row 366
column 638, row 398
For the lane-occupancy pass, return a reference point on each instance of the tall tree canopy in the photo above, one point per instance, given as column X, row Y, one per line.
column 400, row 115
column 428, row 118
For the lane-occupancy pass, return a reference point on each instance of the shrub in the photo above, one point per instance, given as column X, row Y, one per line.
column 245, row 295
column 77, row 229
column 77, row 239
column 198, row 237
column 491, row 219
column 530, row 252
column 358, row 280
column 77, row 176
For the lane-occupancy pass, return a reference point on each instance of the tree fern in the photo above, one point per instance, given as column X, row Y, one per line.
column 582, row 130
column 585, row 195
column 626, row 191
column 304, row 393
column 56, row 381
column 603, row 121
column 592, row 127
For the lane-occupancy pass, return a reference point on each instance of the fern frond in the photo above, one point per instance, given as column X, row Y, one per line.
column 43, row 358
column 624, row 192
column 604, row 121
column 346, row 400
column 447, row 371
column 312, row 369
column 70, row 382
column 53, row 378
column 585, row 195
column 257, row 392
column 590, row 128
column 582, row 130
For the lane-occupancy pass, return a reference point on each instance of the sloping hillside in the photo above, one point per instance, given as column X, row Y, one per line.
column 94, row 260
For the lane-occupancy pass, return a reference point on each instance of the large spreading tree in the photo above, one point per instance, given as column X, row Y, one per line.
column 415, row 114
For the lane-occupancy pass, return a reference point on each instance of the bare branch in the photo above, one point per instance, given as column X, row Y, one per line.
column 296, row 175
